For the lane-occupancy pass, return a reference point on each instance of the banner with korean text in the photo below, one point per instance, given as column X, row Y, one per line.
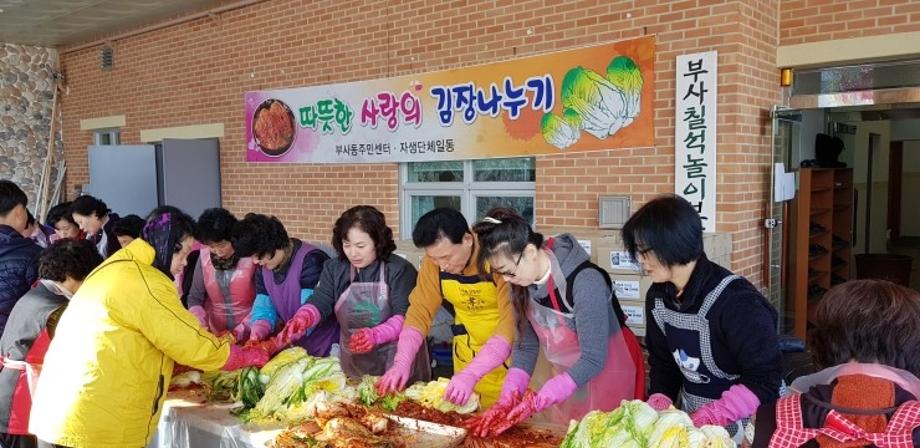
column 695, row 133
column 585, row 99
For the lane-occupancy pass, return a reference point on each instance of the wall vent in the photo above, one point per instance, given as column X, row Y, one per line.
column 107, row 58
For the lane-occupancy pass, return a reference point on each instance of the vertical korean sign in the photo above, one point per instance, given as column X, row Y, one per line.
column 695, row 133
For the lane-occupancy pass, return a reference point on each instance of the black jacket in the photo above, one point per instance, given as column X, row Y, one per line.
column 18, row 269
column 111, row 244
column 743, row 333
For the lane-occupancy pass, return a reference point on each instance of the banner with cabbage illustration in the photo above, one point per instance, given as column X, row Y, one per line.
column 585, row 99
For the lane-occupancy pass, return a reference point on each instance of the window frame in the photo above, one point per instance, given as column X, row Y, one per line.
column 114, row 135
column 468, row 190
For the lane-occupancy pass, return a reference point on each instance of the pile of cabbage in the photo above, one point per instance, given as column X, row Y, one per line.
column 636, row 425
column 287, row 389
column 429, row 395
column 293, row 385
column 368, row 395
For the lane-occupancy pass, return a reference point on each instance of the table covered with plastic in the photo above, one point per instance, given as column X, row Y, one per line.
column 189, row 421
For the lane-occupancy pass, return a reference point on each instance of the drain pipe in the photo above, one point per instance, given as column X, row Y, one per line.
column 167, row 24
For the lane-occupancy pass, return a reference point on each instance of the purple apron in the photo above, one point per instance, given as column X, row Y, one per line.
column 286, row 298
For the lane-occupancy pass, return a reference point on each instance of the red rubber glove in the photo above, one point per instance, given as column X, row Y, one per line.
column 305, row 318
column 245, row 357
column 361, row 341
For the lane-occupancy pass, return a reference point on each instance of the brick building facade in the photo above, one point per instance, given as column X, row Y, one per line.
column 196, row 72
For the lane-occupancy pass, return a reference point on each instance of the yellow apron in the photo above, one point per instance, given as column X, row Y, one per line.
column 474, row 303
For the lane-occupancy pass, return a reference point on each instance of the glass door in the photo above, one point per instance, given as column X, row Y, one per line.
column 787, row 125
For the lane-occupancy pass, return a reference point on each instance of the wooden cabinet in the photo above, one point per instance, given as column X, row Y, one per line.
column 822, row 240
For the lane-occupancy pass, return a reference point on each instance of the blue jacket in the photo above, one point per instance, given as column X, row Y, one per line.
column 18, row 269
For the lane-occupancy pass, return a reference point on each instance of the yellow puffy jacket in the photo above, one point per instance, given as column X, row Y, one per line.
column 108, row 368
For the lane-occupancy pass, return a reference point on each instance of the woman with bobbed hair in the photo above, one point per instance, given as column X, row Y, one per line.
column 367, row 288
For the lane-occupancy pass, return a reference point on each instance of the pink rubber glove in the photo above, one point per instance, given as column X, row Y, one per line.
column 660, row 402
column 240, row 331
column 388, row 331
column 200, row 314
column 493, row 354
column 516, row 382
column 245, row 357
column 410, row 340
column 736, row 403
column 365, row 339
column 305, row 318
column 558, row 389
column 259, row 330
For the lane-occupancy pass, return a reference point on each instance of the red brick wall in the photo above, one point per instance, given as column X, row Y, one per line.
column 197, row 73
column 804, row 21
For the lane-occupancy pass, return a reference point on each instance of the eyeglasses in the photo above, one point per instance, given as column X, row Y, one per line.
column 516, row 265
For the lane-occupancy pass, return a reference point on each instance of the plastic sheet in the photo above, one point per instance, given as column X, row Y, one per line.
column 186, row 421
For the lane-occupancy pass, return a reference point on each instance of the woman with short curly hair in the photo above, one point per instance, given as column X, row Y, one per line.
column 290, row 269
column 367, row 289
column 62, row 269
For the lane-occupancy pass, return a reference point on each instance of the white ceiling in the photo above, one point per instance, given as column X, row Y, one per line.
column 62, row 23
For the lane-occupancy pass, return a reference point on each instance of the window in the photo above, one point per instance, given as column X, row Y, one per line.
column 107, row 137
column 472, row 187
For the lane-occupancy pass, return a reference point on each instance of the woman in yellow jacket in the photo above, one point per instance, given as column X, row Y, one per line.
column 107, row 370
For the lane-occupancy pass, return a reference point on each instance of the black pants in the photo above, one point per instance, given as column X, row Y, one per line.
column 17, row 441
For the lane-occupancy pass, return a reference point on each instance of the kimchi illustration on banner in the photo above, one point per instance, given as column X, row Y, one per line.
column 586, row 99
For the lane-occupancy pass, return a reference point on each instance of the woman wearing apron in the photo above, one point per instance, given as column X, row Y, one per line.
column 367, row 288
column 223, row 283
column 284, row 287
column 711, row 335
column 866, row 341
column 478, row 299
column 567, row 309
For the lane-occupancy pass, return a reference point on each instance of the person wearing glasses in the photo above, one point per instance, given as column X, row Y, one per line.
column 711, row 336
column 567, row 308
column 478, row 299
